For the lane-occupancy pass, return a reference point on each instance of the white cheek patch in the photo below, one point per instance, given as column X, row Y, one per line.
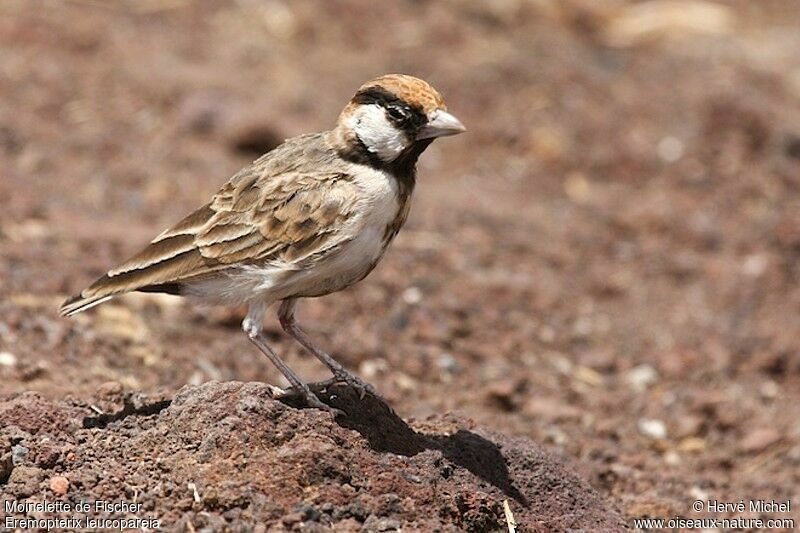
column 380, row 137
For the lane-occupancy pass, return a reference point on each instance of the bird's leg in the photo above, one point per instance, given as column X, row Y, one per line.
column 290, row 326
column 253, row 328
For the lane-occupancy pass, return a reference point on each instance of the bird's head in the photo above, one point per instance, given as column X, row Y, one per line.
column 394, row 115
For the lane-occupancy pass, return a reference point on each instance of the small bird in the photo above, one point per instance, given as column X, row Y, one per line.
column 309, row 218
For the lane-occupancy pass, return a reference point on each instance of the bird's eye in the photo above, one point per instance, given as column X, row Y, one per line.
column 397, row 113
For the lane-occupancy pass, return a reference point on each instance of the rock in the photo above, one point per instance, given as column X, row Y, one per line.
column 670, row 149
column 8, row 359
column 577, row 188
column 655, row 429
column 412, row 295
column 23, row 481
column 18, row 454
column 448, row 364
column 59, row 485
column 380, row 525
column 371, row 368
column 672, row 458
column 109, row 389
column 754, row 265
column 256, row 460
column 641, row 377
column 504, row 394
column 47, row 456
column 6, row 466
column 692, row 445
column 769, row 390
column 587, row 375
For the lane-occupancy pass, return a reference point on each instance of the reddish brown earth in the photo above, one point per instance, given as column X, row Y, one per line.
column 228, row 455
column 605, row 265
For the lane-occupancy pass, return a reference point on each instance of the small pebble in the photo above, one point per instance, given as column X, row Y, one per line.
column 412, row 295
column 447, row 363
column 588, row 375
column 8, row 359
column 670, row 149
column 769, row 390
column 405, row 382
column 502, row 395
column 655, row 429
column 372, row 367
column 109, row 388
column 692, row 445
column 193, row 488
column 672, row 458
column 755, row 265
column 641, row 377
column 577, row 188
column 556, row 436
column 698, row 494
column 59, row 485
column 18, row 454
column 561, row 364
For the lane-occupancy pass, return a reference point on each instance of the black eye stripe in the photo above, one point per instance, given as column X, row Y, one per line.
column 398, row 112
column 380, row 96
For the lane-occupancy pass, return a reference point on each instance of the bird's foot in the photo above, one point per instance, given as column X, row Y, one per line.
column 309, row 397
column 357, row 383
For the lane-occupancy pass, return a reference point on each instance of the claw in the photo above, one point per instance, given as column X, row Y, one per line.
column 309, row 397
column 357, row 383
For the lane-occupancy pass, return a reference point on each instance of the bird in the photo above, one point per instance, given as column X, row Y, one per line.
column 309, row 218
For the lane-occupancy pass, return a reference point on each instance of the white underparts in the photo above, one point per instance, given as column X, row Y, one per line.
column 370, row 124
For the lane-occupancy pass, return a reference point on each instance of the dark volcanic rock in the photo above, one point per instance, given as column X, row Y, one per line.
column 229, row 454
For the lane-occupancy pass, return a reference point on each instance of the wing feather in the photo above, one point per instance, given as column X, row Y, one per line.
column 256, row 218
column 189, row 225
column 156, row 252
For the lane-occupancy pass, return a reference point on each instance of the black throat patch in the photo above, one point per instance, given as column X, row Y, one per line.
column 410, row 118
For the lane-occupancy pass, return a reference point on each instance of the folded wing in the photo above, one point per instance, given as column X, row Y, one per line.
column 283, row 219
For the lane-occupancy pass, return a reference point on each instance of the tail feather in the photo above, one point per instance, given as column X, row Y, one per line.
column 163, row 276
column 78, row 303
column 162, row 266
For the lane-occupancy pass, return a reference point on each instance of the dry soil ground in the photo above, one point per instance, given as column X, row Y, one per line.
column 607, row 264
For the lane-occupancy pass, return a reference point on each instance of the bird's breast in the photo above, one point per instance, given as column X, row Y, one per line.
column 382, row 210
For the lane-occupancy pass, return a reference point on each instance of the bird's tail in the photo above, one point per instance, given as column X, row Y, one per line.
column 79, row 303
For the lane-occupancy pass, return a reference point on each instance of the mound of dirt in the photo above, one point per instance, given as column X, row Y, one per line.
column 229, row 454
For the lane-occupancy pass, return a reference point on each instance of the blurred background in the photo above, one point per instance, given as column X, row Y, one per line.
column 606, row 263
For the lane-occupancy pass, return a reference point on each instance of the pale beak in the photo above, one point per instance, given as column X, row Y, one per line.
column 440, row 124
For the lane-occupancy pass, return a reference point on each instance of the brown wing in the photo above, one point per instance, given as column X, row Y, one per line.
column 252, row 219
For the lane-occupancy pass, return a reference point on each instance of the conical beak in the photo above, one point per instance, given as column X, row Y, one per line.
column 440, row 124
